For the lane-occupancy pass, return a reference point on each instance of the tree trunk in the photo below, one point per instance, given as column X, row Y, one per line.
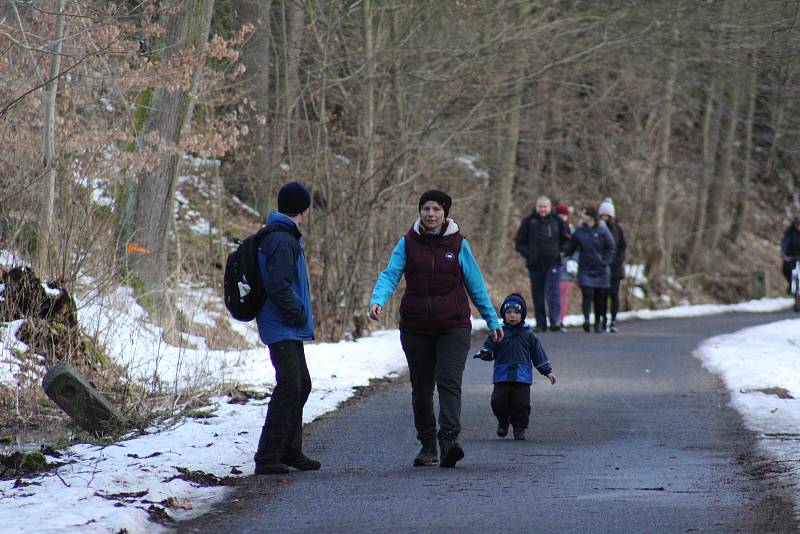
column 719, row 185
column 742, row 197
column 293, row 18
column 710, row 118
column 256, row 56
column 368, row 120
column 502, row 189
column 659, row 263
column 170, row 114
column 45, row 237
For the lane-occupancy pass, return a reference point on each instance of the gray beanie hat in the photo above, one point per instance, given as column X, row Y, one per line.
column 606, row 207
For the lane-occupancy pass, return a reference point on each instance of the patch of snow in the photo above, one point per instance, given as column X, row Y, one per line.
column 245, row 207
column 753, row 362
column 468, row 161
column 343, row 159
column 201, row 162
column 49, row 291
column 636, row 273
column 11, row 367
column 9, row 260
column 284, row 167
column 107, row 104
column 637, row 292
column 673, row 283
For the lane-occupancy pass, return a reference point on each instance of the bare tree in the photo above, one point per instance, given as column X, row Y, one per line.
column 185, row 37
column 45, row 241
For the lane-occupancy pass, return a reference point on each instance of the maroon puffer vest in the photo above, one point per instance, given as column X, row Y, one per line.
column 435, row 298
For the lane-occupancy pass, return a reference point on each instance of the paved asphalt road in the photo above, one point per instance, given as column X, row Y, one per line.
column 634, row 437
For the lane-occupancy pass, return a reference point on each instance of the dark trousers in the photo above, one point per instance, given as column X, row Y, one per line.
column 282, row 434
column 436, row 360
column 613, row 293
column 546, row 295
column 511, row 402
column 596, row 296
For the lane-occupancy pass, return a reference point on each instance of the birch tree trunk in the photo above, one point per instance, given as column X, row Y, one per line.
column 45, row 238
column 169, row 116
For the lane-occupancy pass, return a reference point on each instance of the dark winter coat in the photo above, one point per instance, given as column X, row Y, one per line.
column 517, row 354
column 286, row 314
column 596, row 248
column 790, row 243
column 541, row 240
column 618, row 261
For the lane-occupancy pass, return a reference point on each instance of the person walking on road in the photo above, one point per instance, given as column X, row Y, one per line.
column 790, row 247
column 568, row 270
column 435, row 320
column 596, row 247
column 514, row 357
column 606, row 212
column 284, row 322
column 541, row 239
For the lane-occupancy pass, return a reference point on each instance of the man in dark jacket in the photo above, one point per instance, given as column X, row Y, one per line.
column 541, row 239
column 790, row 248
column 284, row 322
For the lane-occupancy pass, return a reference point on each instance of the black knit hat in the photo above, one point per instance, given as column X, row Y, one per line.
column 293, row 198
column 440, row 197
column 514, row 301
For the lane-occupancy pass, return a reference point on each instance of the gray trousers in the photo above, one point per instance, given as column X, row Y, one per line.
column 436, row 360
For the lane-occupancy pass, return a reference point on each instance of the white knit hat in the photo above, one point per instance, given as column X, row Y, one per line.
column 606, row 207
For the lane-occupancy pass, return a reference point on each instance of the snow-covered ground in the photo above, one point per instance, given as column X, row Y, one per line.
column 106, row 489
column 761, row 368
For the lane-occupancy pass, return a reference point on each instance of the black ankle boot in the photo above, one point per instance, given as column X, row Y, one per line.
column 427, row 455
column 502, row 428
column 302, row 462
column 272, row 468
column 451, row 451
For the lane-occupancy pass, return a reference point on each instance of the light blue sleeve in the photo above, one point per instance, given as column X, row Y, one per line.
column 388, row 279
column 476, row 286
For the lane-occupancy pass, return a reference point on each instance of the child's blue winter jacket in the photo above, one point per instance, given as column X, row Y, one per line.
column 517, row 354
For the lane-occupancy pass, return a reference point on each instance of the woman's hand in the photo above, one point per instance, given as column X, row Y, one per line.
column 375, row 311
column 497, row 335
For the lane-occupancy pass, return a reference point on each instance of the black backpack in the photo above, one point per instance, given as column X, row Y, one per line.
column 244, row 291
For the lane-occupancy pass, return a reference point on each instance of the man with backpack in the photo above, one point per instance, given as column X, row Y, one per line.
column 284, row 322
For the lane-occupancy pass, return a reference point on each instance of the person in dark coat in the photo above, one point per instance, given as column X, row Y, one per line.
column 790, row 247
column 284, row 322
column 435, row 320
column 596, row 246
column 541, row 238
column 606, row 212
column 515, row 357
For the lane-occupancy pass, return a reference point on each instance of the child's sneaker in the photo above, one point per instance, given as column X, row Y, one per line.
column 519, row 434
column 502, row 428
column 613, row 327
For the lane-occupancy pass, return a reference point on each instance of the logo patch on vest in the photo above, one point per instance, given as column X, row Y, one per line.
column 449, row 256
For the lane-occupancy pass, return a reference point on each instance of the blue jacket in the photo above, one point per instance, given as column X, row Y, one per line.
column 517, row 354
column 286, row 314
column 473, row 280
column 597, row 248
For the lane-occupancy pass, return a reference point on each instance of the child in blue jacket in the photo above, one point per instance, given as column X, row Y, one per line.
column 514, row 357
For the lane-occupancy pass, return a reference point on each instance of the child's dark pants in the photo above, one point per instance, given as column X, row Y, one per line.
column 511, row 401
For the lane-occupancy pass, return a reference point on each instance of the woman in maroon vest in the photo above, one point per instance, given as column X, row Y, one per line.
column 435, row 320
